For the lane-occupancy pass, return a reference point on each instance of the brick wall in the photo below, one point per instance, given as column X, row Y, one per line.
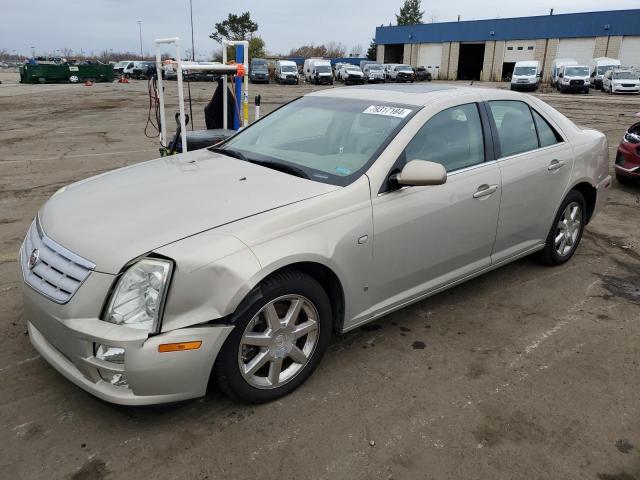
column 614, row 47
column 453, row 61
column 498, row 57
column 488, row 62
column 444, row 61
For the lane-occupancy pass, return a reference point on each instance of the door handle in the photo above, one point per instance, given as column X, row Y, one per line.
column 484, row 190
column 555, row 165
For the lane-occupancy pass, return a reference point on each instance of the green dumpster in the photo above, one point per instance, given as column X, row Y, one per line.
column 45, row 73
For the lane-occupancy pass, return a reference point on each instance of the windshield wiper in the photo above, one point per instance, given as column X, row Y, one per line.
column 230, row 153
column 282, row 167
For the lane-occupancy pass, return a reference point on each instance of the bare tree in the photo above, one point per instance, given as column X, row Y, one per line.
column 357, row 50
column 336, row 49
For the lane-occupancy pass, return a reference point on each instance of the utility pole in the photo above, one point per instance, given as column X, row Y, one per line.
column 193, row 50
column 33, row 52
column 140, row 30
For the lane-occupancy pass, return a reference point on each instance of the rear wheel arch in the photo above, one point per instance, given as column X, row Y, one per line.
column 589, row 192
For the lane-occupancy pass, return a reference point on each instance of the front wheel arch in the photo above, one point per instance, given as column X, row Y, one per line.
column 324, row 275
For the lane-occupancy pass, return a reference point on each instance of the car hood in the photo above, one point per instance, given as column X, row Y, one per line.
column 115, row 217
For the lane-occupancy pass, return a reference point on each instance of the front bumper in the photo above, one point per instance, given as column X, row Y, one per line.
column 628, row 160
column 621, row 89
column 574, row 87
column 69, row 344
column 524, row 87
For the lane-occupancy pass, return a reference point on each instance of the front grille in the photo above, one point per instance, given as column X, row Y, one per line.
column 628, row 85
column 58, row 273
column 576, row 82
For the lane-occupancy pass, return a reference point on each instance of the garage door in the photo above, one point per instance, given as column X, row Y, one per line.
column 630, row 52
column 430, row 56
column 518, row 50
column 579, row 48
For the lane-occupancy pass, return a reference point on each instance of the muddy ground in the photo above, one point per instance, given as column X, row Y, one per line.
column 528, row 372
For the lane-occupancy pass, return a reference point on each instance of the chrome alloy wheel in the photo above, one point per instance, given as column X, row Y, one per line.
column 278, row 341
column 568, row 229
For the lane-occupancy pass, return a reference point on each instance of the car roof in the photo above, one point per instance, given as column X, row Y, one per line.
column 408, row 94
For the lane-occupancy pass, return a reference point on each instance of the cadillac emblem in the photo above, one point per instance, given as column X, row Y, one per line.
column 33, row 258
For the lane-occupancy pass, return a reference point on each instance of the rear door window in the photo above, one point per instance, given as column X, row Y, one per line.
column 546, row 134
column 516, row 130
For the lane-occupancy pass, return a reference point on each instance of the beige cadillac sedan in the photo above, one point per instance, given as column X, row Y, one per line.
column 235, row 265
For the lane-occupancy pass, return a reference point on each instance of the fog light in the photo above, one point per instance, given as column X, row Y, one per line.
column 114, row 378
column 110, row 354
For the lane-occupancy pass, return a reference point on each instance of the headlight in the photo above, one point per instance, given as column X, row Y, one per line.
column 138, row 299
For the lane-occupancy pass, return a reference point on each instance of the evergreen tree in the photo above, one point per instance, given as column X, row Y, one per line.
column 410, row 13
column 373, row 50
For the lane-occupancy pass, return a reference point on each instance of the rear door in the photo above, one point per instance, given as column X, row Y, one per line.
column 535, row 164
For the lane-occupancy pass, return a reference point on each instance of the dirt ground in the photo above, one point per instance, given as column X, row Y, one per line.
column 528, row 372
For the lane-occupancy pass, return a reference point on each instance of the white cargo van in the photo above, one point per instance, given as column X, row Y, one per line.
column 574, row 78
column 526, row 75
column 318, row 71
column 557, row 66
column 600, row 66
column 287, row 72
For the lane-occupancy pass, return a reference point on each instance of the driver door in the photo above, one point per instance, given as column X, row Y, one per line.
column 430, row 236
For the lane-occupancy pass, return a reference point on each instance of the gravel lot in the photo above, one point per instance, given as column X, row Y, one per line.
column 528, row 372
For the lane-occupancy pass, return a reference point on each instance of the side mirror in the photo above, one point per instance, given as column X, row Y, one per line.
column 539, row 75
column 421, row 172
column 561, row 75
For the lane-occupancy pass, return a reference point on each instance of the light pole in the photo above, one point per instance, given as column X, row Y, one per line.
column 140, row 30
column 193, row 50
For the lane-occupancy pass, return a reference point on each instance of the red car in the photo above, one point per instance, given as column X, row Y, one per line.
column 628, row 156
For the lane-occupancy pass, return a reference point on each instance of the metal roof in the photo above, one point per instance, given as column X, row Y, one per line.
column 568, row 25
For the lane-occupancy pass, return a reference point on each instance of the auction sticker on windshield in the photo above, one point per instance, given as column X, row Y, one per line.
column 387, row 111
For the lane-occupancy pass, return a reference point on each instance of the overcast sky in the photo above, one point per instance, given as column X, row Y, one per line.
column 96, row 25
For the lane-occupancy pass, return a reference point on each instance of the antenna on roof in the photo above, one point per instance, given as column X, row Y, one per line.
column 458, row 17
column 551, row 12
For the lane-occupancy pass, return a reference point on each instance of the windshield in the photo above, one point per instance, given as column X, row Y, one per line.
column 332, row 140
column 404, row 67
column 288, row 68
column 524, row 71
column 576, row 71
column 625, row 76
column 374, row 66
column 353, row 69
column 121, row 64
column 602, row 69
column 259, row 67
column 323, row 68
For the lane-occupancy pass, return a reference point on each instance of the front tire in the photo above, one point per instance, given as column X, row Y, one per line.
column 565, row 234
column 282, row 330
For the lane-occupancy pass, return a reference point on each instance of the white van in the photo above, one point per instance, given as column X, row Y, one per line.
column 557, row 66
column 526, row 75
column 600, row 66
column 287, row 72
column 574, row 78
column 120, row 67
column 318, row 71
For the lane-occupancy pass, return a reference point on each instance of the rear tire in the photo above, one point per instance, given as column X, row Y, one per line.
column 263, row 314
column 566, row 231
